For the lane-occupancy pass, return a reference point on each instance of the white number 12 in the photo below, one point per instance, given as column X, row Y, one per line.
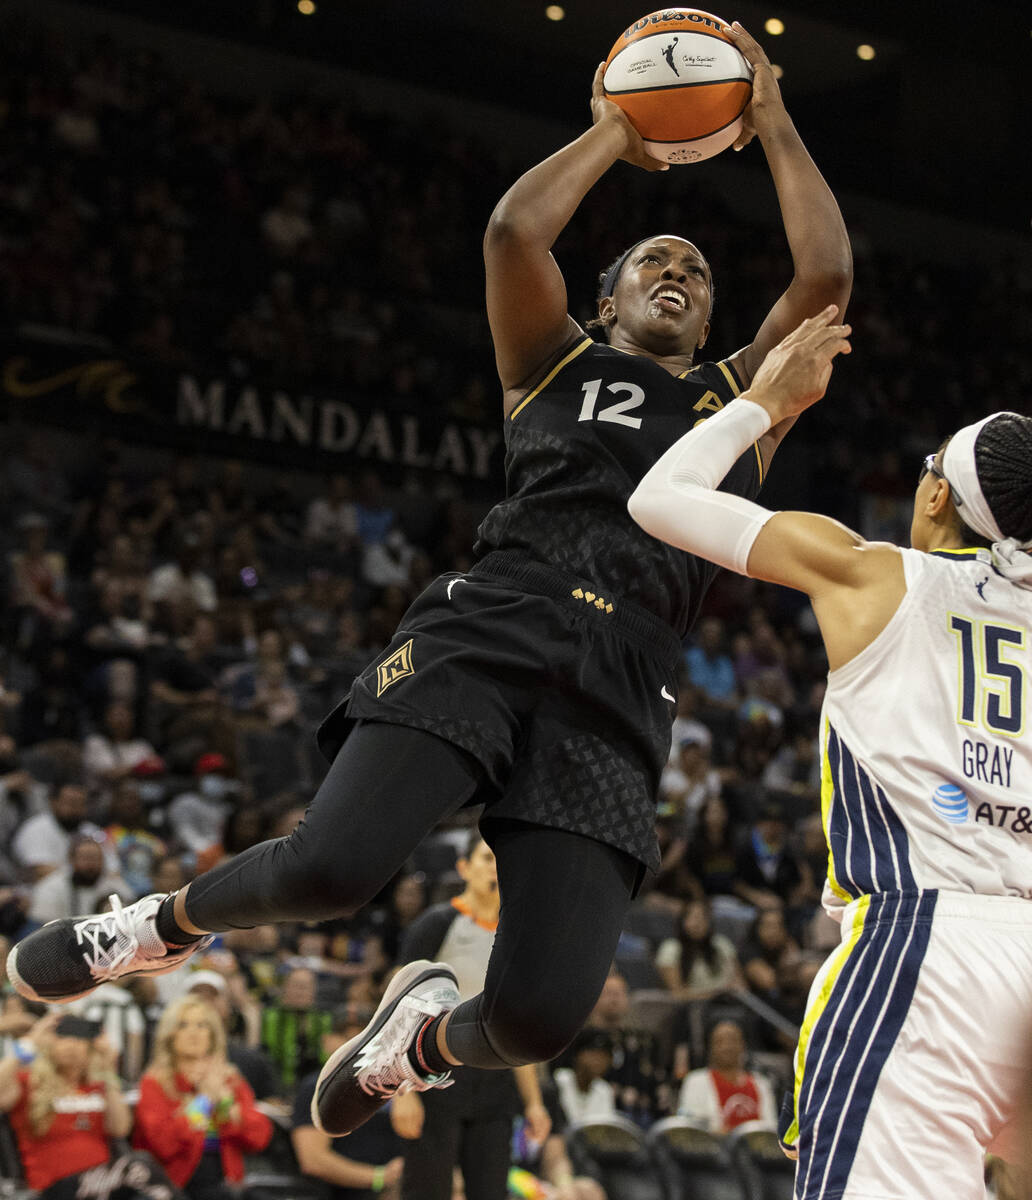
column 615, row 412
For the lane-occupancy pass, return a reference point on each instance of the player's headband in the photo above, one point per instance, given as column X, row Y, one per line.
column 609, row 280
column 958, row 465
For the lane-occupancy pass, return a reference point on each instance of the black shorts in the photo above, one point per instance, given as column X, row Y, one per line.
column 563, row 694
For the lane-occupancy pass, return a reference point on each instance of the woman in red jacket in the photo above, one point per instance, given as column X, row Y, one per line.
column 196, row 1114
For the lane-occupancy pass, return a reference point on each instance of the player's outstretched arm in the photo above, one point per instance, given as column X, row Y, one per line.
column 526, row 293
column 855, row 586
column 821, row 257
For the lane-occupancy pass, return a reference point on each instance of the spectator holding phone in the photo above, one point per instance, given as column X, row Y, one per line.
column 63, row 1099
column 196, row 1114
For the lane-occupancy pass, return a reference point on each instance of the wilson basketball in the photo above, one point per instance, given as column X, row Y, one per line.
column 681, row 82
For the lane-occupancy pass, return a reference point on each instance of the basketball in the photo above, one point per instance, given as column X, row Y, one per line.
column 681, row 82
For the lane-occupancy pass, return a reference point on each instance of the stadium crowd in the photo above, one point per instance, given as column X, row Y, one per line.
column 171, row 638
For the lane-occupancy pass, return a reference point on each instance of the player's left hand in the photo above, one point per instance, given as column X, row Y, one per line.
column 539, row 1123
column 766, row 95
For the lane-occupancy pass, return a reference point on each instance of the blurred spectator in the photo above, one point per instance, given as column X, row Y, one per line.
column 121, row 1021
column 35, row 481
column 293, row 1027
column 182, row 583
column 53, row 709
column 768, row 955
column 331, row 522
column 767, row 874
column 196, row 818
column 79, row 885
column 261, row 691
column 196, row 1114
column 184, row 678
column 407, row 900
column 709, row 666
column 686, row 723
column 44, row 841
column 38, row 583
column 63, row 1100
column 724, row 1094
column 699, row 961
column 225, row 991
column 369, row 1163
column 112, row 753
column 120, row 627
column 638, row 1072
column 138, row 849
column 21, row 796
column 691, row 780
column 583, row 1091
column 712, row 853
column 796, row 767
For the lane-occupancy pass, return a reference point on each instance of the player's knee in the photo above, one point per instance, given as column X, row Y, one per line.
column 532, row 1033
column 337, row 882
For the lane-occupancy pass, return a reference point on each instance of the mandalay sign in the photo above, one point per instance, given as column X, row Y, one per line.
column 80, row 388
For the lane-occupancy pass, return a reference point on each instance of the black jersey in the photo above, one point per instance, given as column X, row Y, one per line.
column 578, row 444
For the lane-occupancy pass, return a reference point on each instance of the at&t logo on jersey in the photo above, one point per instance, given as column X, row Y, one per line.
column 951, row 803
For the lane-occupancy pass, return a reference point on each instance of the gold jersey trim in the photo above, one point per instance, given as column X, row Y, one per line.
column 578, row 349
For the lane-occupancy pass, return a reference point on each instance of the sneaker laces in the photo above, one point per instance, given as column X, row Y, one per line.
column 393, row 1074
column 112, row 940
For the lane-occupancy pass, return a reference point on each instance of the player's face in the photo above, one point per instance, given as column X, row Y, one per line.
column 662, row 297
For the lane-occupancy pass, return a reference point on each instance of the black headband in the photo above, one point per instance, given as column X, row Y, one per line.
column 609, row 280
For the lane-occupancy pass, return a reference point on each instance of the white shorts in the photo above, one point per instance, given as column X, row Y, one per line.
column 913, row 1053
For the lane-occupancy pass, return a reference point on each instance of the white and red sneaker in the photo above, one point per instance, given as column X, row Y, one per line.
column 68, row 958
column 366, row 1072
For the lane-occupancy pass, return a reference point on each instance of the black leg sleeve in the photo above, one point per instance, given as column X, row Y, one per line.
column 386, row 790
column 564, row 900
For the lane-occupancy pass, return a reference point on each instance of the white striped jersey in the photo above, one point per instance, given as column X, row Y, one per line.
column 927, row 765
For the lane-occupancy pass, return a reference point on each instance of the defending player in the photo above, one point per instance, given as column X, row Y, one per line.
column 543, row 682
column 911, row 1057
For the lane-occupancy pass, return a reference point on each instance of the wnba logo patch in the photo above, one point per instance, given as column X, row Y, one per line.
column 951, row 803
column 398, row 666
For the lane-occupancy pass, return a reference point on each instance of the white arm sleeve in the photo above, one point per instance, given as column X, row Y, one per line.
column 677, row 500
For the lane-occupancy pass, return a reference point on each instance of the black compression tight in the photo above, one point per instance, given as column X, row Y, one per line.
column 564, row 897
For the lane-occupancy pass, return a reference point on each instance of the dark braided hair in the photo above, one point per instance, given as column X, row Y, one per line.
column 1003, row 460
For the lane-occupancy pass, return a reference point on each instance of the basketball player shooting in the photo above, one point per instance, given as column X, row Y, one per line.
column 912, row 1054
column 542, row 683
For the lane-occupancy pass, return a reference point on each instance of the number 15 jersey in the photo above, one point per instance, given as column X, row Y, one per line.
column 578, row 444
column 927, row 767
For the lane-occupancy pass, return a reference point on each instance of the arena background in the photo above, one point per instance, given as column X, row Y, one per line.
column 232, row 233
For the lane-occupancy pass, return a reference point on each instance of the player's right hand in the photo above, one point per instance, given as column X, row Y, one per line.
column 603, row 109
column 407, row 1115
column 796, row 372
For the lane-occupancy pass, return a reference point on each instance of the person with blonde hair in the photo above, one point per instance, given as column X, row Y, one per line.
column 196, row 1114
column 63, row 1099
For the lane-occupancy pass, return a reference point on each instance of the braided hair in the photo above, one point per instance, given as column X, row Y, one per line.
column 1003, row 460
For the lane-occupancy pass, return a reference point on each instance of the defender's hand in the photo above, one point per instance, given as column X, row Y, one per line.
column 603, row 110
column 795, row 373
column 766, row 103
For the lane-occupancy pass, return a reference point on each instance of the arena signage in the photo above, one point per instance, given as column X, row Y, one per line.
column 63, row 385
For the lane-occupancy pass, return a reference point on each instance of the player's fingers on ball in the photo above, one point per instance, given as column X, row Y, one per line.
column 747, row 44
column 597, row 90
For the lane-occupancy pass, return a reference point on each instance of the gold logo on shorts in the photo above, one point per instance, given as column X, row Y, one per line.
column 398, row 666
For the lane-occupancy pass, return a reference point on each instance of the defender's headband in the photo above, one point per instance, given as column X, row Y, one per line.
column 958, row 465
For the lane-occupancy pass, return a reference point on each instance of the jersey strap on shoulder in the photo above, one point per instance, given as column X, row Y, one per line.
column 567, row 357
